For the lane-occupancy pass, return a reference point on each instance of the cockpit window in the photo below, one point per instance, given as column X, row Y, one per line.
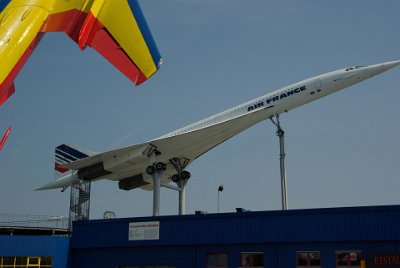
column 355, row 67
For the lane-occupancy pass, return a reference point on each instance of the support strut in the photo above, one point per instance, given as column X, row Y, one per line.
column 281, row 134
column 156, row 171
column 182, row 196
column 156, row 192
column 182, row 179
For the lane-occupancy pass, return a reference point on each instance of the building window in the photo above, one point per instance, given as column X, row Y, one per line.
column 348, row 259
column 252, row 259
column 25, row 262
column 33, row 261
column 7, row 261
column 217, row 260
column 308, row 259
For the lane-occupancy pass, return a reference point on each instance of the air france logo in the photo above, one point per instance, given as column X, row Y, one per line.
column 276, row 98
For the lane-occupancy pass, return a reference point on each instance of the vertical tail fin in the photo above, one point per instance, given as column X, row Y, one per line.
column 65, row 154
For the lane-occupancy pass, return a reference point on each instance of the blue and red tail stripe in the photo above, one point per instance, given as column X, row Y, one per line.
column 65, row 154
column 60, row 169
column 69, row 154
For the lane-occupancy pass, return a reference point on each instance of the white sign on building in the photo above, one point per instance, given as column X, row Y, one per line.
column 144, row 230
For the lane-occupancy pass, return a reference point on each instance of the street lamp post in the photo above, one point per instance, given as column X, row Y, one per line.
column 220, row 189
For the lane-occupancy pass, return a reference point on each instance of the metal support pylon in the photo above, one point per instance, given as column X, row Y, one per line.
column 156, row 192
column 281, row 134
column 182, row 196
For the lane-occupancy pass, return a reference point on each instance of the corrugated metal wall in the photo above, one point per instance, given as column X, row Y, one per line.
column 315, row 225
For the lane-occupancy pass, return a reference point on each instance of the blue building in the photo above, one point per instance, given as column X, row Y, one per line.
column 329, row 238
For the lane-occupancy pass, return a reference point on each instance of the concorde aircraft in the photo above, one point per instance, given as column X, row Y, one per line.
column 162, row 160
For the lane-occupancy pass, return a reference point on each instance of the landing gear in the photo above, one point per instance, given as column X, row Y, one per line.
column 175, row 178
column 160, row 166
column 150, row 170
column 185, row 175
column 181, row 178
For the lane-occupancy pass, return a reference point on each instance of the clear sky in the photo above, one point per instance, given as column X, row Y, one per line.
column 342, row 150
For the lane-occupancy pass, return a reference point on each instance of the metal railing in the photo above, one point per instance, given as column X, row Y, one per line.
column 33, row 221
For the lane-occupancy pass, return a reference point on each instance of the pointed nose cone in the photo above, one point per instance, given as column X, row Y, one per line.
column 372, row 70
column 391, row 64
column 383, row 67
